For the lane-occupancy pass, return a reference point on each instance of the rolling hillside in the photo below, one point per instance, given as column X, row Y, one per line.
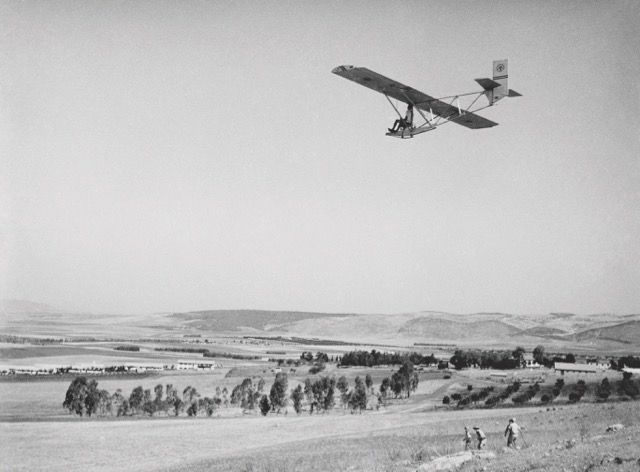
column 438, row 328
column 628, row 333
column 234, row 320
column 555, row 330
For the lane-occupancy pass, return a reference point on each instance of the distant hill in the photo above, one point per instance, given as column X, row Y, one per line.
column 443, row 327
column 628, row 332
column 554, row 330
column 543, row 331
column 438, row 328
column 233, row 320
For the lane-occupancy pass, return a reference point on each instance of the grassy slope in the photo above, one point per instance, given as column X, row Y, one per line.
column 397, row 438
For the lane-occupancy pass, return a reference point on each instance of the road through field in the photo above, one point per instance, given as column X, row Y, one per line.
column 151, row 444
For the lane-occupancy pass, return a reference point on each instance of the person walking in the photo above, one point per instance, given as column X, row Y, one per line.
column 467, row 439
column 512, row 432
column 482, row 438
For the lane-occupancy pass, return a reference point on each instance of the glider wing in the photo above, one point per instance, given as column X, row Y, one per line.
column 409, row 95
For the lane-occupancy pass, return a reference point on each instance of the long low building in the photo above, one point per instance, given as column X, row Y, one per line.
column 196, row 364
column 563, row 367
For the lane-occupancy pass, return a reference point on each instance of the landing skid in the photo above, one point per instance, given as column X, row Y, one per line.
column 409, row 132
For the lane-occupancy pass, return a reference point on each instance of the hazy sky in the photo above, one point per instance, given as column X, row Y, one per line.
column 174, row 156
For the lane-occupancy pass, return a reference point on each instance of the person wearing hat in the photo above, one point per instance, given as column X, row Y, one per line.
column 513, row 430
column 482, row 438
column 467, row 439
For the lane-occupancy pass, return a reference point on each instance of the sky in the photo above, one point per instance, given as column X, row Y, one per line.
column 175, row 156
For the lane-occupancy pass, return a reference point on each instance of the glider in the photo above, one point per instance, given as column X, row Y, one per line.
column 434, row 111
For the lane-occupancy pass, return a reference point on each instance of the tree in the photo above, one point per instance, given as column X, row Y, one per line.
column 368, row 382
column 343, row 387
column 209, row 405
column 297, row 395
column 264, row 405
column 459, row 360
column 120, row 403
column 173, row 400
column 191, row 395
column 148, row 405
column 603, row 391
column 405, row 380
column 158, row 401
column 323, row 391
column 358, row 397
column 518, row 355
column 245, row 395
column 446, row 400
column 570, row 358
column 136, row 399
column 92, row 401
column 385, row 387
column 538, row 354
column 322, row 357
column 278, row 393
column 225, row 397
column 82, row 397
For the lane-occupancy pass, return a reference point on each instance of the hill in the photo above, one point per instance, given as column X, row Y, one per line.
column 235, row 320
column 438, row 328
column 628, row 333
column 559, row 331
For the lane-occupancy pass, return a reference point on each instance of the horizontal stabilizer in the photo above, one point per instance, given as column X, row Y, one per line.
column 513, row 93
column 488, row 84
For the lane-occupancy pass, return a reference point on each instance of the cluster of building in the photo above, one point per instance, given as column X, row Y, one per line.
column 98, row 369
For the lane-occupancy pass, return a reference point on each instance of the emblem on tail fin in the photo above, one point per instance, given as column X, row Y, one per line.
column 501, row 76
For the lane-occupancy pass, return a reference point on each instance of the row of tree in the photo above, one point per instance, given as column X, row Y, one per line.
column 85, row 398
column 627, row 361
column 377, row 358
column 505, row 359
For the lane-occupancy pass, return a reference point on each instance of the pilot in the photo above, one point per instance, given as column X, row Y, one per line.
column 405, row 122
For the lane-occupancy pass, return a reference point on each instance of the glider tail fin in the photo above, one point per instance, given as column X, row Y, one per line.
column 498, row 87
column 501, row 76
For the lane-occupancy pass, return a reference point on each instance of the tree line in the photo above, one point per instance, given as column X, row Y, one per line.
column 377, row 358
column 85, row 398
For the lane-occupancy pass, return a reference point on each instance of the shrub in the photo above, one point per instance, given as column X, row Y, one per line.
column 446, row 400
column 491, row 401
column 629, row 387
column 316, row 368
column 464, row 402
column 574, row 397
column 603, row 391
